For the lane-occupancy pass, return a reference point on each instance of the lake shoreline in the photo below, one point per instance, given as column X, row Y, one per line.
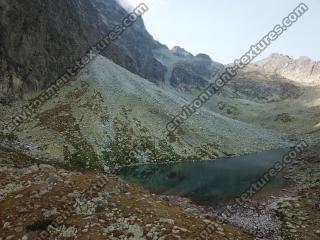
column 273, row 214
column 257, row 216
column 266, row 214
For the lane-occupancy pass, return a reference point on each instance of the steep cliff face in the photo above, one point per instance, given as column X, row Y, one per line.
column 39, row 40
column 186, row 70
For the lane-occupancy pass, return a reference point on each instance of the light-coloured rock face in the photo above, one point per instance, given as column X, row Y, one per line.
column 258, row 86
column 302, row 70
column 181, row 52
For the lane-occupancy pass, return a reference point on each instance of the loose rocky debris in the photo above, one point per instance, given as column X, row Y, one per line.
column 292, row 213
column 300, row 215
column 52, row 203
column 40, row 200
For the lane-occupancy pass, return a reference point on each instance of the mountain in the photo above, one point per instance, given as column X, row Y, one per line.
column 185, row 70
column 113, row 116
column 39, row 41
column 255, row 84
column 302, row 70
column 116, row 109
column 58, row 161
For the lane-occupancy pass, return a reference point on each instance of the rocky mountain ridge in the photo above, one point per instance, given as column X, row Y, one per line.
column 302, row 70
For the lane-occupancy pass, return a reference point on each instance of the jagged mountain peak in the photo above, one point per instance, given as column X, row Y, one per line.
column 179, row 51
column 279, row 56
column 204, row 57
column 302, row 70
column 285, row 57
column 275, row 60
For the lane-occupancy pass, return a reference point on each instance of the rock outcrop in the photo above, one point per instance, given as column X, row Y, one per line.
column 186, row 70
column 302, row 70
column 40, row 40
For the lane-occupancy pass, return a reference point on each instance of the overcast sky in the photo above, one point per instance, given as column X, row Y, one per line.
column 225, row 29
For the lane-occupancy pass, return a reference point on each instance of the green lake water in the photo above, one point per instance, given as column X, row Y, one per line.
column 223, row 178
